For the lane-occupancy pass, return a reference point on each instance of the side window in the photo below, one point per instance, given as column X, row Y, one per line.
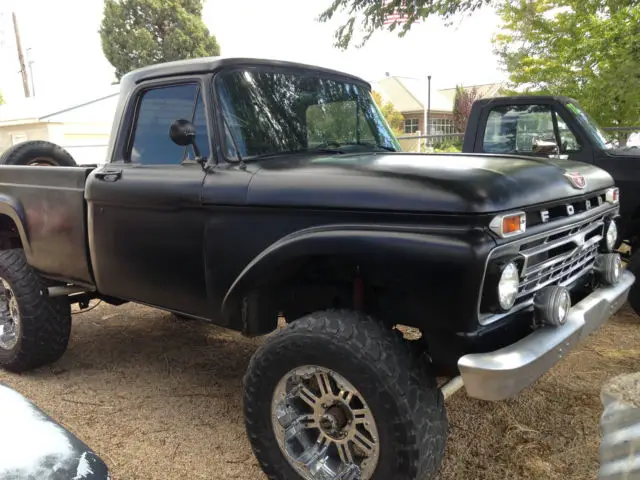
column 568, row 141
column 519, row 129
column 158, row 108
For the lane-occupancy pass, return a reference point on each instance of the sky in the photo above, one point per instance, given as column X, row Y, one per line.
column 64, row 44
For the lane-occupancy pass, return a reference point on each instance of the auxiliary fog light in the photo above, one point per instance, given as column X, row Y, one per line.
column 552, row 305
column 609, row 268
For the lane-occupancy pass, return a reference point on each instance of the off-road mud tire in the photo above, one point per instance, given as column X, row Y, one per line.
column 25, row 153
column 403, row 396
column 45, row 323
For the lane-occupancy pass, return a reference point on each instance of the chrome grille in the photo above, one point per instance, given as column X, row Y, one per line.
column 558, row 256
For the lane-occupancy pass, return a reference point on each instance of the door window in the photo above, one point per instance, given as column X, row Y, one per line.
column 516, row 129
column 568, row 141
column 158, row 109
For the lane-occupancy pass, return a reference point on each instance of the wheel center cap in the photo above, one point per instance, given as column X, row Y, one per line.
column 329, row 424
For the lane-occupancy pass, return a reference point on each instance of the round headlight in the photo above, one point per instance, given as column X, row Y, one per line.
column 508, row 286
column 611, row 235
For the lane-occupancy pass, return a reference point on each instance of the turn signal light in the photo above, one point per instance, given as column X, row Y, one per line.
column 509, row 224
column 613, row 195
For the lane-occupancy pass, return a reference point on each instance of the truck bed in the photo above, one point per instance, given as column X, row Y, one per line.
column 50, row 202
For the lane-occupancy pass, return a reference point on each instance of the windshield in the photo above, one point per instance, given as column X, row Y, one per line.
column 270, row 112
column 590, row 126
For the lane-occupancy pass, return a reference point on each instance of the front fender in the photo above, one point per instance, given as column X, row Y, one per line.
column 428, row 259
column 13, row 209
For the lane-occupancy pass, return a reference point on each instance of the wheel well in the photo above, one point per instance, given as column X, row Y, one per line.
column 322, row 282
column 9, row 236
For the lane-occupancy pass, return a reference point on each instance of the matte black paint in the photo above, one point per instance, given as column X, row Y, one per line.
column 199, row 240
column 622, row 164
column 46, row 204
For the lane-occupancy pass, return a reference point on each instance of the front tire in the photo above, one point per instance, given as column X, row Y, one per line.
column 34, row 330
column 338, row 391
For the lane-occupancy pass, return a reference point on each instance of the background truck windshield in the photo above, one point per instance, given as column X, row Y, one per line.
column 591, row 126
column 268, row 112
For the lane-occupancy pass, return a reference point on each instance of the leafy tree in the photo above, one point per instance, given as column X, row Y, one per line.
column 394, row 118
column 585, row 49
column 136, row 33
column 1, row 99
column 374, row 12
column 462, row 103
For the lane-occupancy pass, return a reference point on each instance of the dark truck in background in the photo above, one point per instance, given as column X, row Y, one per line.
column 558, row 127
column 241, row 190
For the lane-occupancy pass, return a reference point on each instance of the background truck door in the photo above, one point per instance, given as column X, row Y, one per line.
column 532, row 128
column 146, row 224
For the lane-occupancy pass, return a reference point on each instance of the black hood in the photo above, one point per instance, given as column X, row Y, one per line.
column 429, row 183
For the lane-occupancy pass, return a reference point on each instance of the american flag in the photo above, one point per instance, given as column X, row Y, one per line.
column 396, row 16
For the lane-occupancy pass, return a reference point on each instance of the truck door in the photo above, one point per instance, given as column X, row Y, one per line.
column 145, row 222
column 525, row 127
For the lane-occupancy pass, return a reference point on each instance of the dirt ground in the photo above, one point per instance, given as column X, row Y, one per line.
column 160, row 398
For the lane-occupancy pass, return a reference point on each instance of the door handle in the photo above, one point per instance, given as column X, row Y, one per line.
column 109, row 175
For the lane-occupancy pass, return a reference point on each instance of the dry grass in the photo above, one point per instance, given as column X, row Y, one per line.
column 161, row 399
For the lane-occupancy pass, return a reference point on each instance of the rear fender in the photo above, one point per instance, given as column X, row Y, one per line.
column 14, row 210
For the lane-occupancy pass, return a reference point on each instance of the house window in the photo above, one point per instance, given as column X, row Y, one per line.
column 441, row 126
column 18, row 138
column 411, row 125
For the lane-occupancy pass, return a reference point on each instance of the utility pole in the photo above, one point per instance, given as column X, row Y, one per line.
column 23, row 68
column 30, row 62
column 426, row 111
column 429, row 108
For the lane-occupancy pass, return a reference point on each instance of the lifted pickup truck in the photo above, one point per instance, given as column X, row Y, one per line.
column 558, row 127
column 293, row 200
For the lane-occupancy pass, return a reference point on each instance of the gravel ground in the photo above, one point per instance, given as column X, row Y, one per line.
column 160, row 398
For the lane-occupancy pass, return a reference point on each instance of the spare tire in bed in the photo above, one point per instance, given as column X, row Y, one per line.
column 37, row 152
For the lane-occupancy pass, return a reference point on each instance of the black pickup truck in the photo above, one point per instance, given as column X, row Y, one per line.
column 558, row 127
column 241, row 191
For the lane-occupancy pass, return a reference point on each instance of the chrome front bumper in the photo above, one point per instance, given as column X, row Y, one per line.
column 505, row 372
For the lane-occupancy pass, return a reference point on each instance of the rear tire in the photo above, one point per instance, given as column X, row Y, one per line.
column 37, row 152
column 406, row 414
column 633, row 265
column 41, row 326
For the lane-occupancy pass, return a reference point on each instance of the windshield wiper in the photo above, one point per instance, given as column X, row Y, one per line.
column 301, row 150
column 366, row 144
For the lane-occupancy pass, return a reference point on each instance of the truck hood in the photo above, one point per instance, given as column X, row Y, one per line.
column 427, row 183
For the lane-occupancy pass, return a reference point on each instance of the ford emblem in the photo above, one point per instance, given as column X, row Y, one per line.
column 576, row 179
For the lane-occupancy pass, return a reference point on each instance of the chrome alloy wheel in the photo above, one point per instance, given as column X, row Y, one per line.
column 323, row 425
column 9, row 317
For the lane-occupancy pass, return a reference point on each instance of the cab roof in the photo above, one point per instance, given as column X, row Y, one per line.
column 211, row 64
